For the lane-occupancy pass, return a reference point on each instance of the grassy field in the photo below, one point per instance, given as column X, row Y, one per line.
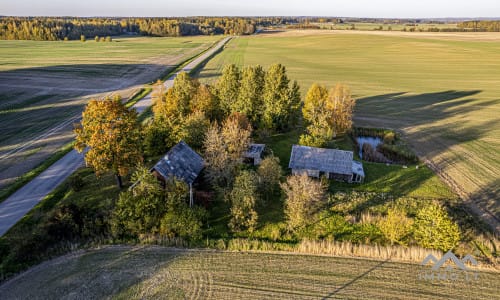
column 164, row 273
column 440, row 90
column 44, row 86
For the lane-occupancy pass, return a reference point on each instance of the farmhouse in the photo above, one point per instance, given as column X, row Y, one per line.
column 333, row 163
column 180, row 162
column 253, row 154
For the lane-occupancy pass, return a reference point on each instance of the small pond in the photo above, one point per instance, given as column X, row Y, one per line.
column 373, row 141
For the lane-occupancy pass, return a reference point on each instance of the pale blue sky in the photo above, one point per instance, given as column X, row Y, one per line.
column 344, row 8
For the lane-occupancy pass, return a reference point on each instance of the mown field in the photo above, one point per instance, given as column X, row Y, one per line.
column 440, row 90
column 44, row 86
column 163, row 273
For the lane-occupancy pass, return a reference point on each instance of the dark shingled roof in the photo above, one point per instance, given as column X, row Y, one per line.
column 325, row 160
column 181, row 162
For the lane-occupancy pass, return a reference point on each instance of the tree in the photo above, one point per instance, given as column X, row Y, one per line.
column 434, row 229
column 396, row 226
column 303, row 198
column 205, row 101
column 249, row 101
column 327, row 114
column 193, row 129
column 277, row 99
column 184, row 222
column 228, row 87
column 317, row 117
column 140, row 209
column 269, row 174
column 340, row 104
column 223, row 149
column 243, row 198
column 112, row 135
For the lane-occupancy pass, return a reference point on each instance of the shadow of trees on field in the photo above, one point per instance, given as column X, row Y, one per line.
column 35, row 99
column 436, row 122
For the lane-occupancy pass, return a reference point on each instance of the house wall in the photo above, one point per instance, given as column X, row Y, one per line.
column 340, row 177
column 310, row 173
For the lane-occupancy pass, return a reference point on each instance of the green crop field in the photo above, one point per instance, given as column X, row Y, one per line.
column 45, row 85
column 163, row 273
column 439, row 89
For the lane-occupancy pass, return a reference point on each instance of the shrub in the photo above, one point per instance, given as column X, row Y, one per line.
column 396, row 226
column 243, row 198
column 434, row 229
column 304, row 196
column 184, row 222
column 76, row 182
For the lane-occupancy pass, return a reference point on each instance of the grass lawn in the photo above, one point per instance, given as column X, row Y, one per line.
column 440, row 90
column 155, row 272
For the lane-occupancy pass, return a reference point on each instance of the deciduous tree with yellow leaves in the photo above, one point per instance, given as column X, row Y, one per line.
column 111, row 133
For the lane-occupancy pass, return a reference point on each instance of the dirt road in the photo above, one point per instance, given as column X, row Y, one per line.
column 22, row 201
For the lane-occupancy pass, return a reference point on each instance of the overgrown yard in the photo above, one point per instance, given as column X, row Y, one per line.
column 439, row 89
column 155, row 272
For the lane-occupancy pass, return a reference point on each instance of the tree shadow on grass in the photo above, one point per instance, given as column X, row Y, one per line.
column 436, row 122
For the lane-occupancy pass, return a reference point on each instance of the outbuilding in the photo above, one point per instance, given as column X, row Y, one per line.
column 332, row 163
column 180, row 162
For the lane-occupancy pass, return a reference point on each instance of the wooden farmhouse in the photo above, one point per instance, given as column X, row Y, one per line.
column 253, row 155
column 180, row 162
column 332, row 163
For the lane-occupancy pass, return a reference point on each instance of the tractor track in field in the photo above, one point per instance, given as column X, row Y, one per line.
column 439, row 168
column 24, row 199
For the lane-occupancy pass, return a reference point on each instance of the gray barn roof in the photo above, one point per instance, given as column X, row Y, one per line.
column 254, row 150
column 181, row 162
column 325, row 160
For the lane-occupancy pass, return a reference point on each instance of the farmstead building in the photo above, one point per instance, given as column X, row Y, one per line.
column 332, row 163
column 180, row 162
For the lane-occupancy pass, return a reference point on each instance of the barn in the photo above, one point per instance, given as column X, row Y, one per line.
column 332, row 163
column 180, row 162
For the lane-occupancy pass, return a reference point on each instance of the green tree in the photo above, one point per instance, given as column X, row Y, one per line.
column 228, row 87
column 184, row 222
column 139, row 210
column 243, row 199
column 434, row 229
column 249, row 101
column 396, row 226
column 304, row 196
column 112, row 135
column 194, row 129
column 276, row 97
column 269, row 174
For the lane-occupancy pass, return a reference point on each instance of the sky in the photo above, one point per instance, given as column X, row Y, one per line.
column 167, row 8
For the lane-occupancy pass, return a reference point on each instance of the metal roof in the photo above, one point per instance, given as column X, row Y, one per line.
column 181, row 162
column 357, row 168
column 325, row 160
column 254, row 150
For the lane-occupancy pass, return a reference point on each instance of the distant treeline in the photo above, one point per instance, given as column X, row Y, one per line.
column 53, row 29
column 491, row 26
